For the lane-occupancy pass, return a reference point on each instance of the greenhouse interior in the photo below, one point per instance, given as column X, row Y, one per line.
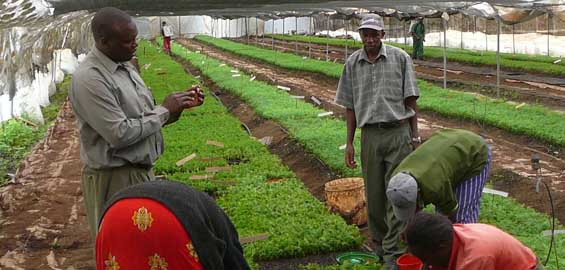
column 265, row 134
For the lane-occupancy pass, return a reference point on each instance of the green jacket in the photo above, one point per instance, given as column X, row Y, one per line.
column 447, row 158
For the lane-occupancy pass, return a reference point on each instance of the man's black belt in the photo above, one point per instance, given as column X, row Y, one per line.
column 140, row 166
column 386, row 124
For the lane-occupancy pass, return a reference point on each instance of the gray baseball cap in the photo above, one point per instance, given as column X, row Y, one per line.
column 402, row 193
column 372, row 21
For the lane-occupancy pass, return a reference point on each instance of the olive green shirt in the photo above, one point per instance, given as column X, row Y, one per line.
column 118, row 120
column 446, row 159
column 376, row 91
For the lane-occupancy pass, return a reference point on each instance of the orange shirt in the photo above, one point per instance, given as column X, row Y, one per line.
column 485, row 247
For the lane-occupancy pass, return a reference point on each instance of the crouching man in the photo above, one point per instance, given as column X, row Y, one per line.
column 449, row 171
column 440, row 245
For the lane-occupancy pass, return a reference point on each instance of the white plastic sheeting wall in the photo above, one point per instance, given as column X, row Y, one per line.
column 531, row 43
column 237, row 27
column 300, row 25
column 190, row 26
column 32, row 95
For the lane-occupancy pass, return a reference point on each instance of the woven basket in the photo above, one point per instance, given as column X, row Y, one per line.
column 346, row 196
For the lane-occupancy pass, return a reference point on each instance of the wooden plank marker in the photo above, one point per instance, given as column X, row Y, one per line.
column 520, row 106
column 343, row 147
column 283, row 88
column 253, row 78
column 316, row 100
column 253, row 238
column 548, row 232
column 215, row 143
column 218, row 169
column 495, row 192
column 236, row 75
column 266, row 140
column 325, row 114
column 201, row 177
column 186, row 159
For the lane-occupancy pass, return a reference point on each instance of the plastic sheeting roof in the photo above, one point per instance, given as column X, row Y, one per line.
column 18, row 12
column 31, row 29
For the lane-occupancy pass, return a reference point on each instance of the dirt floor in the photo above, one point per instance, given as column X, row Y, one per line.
column 42, row 214
column 519, row 86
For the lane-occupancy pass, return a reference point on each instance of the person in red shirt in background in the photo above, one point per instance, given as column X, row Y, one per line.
column 440, row 245
column 167, row 32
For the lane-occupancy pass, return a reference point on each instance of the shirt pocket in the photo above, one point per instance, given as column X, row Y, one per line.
column 128, row 101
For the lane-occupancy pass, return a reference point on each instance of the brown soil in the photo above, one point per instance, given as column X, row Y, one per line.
column 518, row 86
column 41, row 213
column 511, row 152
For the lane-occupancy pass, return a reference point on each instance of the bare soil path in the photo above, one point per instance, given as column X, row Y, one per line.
column 42, row 216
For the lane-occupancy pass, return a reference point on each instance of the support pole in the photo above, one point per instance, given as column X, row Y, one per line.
column 390, row 27
column 444, row 54
column 327, row 41
column 462, row 17
column 180, row 32
column 229, row 28
column 247, row 29
column 404, row 33
column 548, row 31
column 346, row 41
column 256, row 31
column 513, row 41
column 284, row 19
column 497, row 56
column 296, row 32
column 310, row 37
column 273, row 35
column 486, row 35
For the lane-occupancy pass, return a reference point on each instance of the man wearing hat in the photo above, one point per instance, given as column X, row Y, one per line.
column 449, row 171
column 379, row 91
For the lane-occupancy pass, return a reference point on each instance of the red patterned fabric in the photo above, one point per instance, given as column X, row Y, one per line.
column 141, row 233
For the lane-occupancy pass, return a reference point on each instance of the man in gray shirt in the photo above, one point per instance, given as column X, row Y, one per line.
column 118, row 120
column 378, row 88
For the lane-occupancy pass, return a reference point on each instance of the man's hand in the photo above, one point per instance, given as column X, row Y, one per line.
column 350, row 156
column 177, row 102
column 197, row 94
